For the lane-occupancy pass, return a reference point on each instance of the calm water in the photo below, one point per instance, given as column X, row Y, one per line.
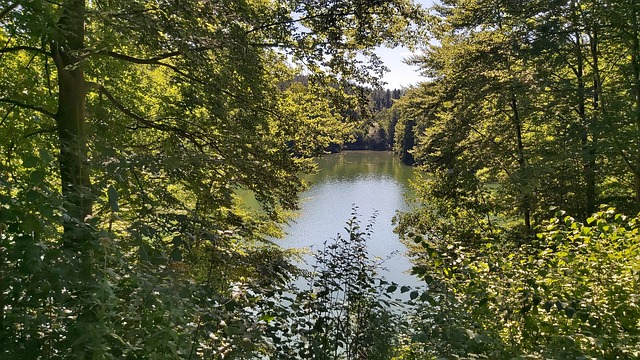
column 372, row 181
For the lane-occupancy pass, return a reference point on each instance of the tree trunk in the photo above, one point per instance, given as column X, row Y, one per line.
column 588, row 152
column 517, row 123
column 597, row 113
column 86, row 334
column 635, row 60
column 70, row 120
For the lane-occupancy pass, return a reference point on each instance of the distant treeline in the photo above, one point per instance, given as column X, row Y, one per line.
column 376, row 131
column 373, row 125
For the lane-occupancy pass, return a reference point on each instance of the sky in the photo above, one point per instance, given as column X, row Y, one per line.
column 400, row 74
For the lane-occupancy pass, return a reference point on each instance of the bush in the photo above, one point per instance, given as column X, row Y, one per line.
column 571, row 292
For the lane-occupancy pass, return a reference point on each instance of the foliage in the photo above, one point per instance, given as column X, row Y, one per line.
column 530, row 101
column 570, row 293
column 529, row 108
column 127, row 130
column 348, row 302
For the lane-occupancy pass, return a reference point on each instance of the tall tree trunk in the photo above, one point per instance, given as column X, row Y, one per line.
column 517, row 123
column 598, row 111
column 408, row 142
column 70, row 120
column 86, row 334
column 635, row 60
column 588, row 152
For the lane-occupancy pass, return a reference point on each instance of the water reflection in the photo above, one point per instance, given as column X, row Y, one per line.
column 372, row 181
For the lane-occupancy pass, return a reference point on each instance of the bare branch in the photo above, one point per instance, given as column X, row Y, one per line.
column 266, row 45
column 28, row 106
column 4, row 118
column 41, row 131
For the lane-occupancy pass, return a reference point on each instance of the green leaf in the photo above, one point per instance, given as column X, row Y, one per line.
column 37, row 176
column 30, row 161
column 569, row 311
column 176, row 255
column 414, row 295
column 392, row 288
column 30, row 223
column 267, row 317
column 45, row 156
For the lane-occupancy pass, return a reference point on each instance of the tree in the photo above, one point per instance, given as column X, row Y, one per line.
column 552, row 297
column 157, row 113
column 528, row 110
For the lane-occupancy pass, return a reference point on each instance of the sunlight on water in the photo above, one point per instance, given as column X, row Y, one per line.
column 372, row 181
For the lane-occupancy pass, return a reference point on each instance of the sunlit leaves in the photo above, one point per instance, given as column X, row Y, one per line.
column 577, row 280
column 186, row 106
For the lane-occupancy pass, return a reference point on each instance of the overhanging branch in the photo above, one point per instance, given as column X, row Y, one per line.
column 292, row 21
column 9, row 8
column 28, row 106
column 157, row 61
column 128, row 112
column 148, row 61
column 24, row 48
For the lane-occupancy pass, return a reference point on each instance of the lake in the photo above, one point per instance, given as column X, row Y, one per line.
column 372, row 181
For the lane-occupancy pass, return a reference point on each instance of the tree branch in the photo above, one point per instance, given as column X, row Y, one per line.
column 149, row 61
column 304, row 18
column 28, row 106
column 26, row 48
column 153, row 60
column 627, row 162
column 133, row 115
column 9, row 8
column 41, row 131
column 4, row 118
column 156, row 61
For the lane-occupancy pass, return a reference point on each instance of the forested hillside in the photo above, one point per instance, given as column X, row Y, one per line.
column 374, row 128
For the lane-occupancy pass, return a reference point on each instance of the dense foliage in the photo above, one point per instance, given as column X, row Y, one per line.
column 570, row 293
column 129, row 128
column 540, row 98
column 532, row 106
column 133, row 132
